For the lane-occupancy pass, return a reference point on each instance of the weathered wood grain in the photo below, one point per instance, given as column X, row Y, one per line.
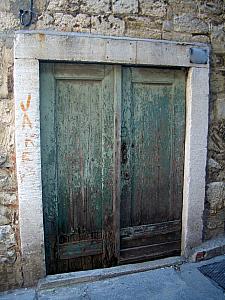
column 142, row 253
column 78, row 140
column 153, row 129
column 80, row 249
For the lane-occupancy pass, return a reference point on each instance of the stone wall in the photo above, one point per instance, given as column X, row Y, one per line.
column 185, row 21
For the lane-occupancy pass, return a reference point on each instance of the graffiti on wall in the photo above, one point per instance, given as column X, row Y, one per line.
column 26, row 123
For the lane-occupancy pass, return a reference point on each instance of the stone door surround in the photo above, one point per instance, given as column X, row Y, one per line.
column 30, row 48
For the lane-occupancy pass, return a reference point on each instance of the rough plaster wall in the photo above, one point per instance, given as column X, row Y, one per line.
column 187, row 20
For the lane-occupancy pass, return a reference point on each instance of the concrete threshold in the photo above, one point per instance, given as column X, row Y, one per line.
column 67, row 279
column 209, row 249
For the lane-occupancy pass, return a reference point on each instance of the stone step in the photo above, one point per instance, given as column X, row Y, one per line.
column 72, row 278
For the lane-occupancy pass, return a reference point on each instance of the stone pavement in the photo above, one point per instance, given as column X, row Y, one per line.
column 179, row 282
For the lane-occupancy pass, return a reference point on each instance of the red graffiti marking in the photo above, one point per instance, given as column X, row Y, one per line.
column 26, row 119
column 27, row 141
column 26, row 153
column 26, row 156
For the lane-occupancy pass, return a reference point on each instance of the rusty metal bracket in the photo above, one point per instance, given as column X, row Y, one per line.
column 198, row 56
column 26, row 16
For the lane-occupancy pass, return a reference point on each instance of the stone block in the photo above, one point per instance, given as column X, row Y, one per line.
column 216, row 222
column 189, row 24
column 41, row 5
column 3, row 156
column 4, row 5
column 167, row 25
column 7, row 198
column 7, row 136
column 214, row 165
column 143, row 27
column 45, row 21
column 7, row 115
column 154, row 8
column 218, row 60
column 8, row 22
column 216, row 143
column 220, row 108
column 107, row 25
column 176, row 36
column 95, row 7
column 210, row 8
column 11, row 275
column 213, row 233
column 217, row 37
column 125, row 7
column 216, row 171
column 82, row 23
column 65, row 22
column 218, row 81
column 7, row 180
column 215, row 195
column 63, row 6
column 6, row 81
column 200, row 38
column 180, row 7
column 209, row 249
column 5, row 215
column 7, row 244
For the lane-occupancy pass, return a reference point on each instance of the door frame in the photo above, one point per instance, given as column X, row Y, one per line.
column 31, row 47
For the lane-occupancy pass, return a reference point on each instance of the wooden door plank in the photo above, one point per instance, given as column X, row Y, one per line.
column 108, row 167
column 79, row 157
column 79, row 71
column 151, row 156
column 48, row 164
column 153, row 107
column 177, row 169
column 148, row 252
column 150, row 229
column 83, row 126
column 80, row 249
column 117, row 156
column 79, row 154
column 150, row 234
column 126, row 149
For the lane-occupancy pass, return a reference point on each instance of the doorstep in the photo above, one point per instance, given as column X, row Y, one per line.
column 209, row 249
column 72, row 278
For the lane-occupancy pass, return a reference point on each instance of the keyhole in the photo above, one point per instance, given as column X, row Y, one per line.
column 124, row 153
column 127, row 175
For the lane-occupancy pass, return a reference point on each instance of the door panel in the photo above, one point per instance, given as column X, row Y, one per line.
column 152, row 145
column 77, row 133
column 112, row 147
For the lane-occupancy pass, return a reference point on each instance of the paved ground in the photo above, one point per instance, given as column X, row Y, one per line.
column 180, row 283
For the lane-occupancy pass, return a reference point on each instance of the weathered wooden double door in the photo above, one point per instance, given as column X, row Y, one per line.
column 112, row 140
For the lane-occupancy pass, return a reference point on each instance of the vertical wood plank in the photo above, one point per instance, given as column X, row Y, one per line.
column 179, row 122
column 49, row 164
column 126, row 148
column 108, row 167
column 83, row 127
column 153, row 119
column 117, row 156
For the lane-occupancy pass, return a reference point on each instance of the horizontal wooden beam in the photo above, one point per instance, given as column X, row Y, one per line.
column 148, row 252
column 80, row 249
column 150, row 229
